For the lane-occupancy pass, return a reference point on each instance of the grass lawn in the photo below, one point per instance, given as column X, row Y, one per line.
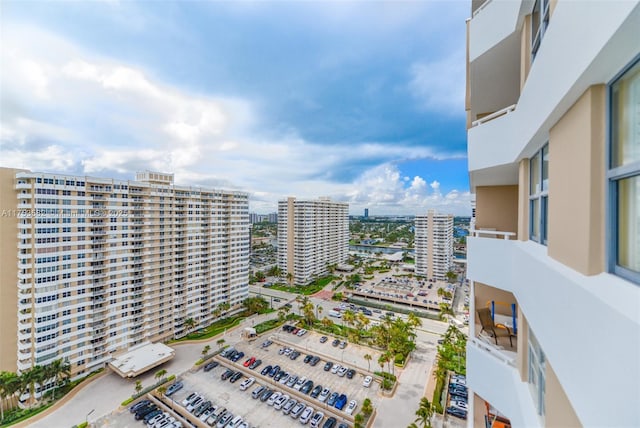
column 306, row 290
column 268, row 325
column 213, row 329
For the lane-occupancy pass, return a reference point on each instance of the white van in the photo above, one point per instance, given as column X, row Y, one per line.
column 335, row 314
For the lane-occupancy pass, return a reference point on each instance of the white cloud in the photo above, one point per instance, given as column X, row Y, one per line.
column 440, row 85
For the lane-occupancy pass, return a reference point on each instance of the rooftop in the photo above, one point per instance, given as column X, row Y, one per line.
column 141, row 359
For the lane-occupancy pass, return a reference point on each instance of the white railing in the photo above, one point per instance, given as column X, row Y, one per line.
column 493, row 115
column 489, row 233
column 495, row 351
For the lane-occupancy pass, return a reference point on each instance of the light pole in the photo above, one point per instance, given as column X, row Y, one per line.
column 87, row 418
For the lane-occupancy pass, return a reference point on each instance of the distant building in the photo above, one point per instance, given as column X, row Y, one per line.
column 434, row 244
column 366, row 213
column 311, row 236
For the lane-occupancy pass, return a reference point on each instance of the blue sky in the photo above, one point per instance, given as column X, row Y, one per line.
column 360, row 101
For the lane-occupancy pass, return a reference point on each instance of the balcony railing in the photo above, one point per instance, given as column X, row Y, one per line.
column 494, row 115
column 488, row 233
column 483, row 343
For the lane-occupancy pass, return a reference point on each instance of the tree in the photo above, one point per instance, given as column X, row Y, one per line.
column 9, row 385
column 190, row 323
column 160, row 374
column 358, row 420
column 32, row 377
column 368, row 357
column 319, row 310
column 260, row 276
column 290, row 278
column 138, row 386
column 413, row 320
column 440, row 292
column 367, row 408
column 451, row 276
column 424, row 413
column 224, row 307
column 220, row 342
column 58, row 370
column 348, row 317
column 162, row 389
column 216, row 312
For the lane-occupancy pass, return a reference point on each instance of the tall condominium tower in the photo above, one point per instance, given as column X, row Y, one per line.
column 311, row 236
column 434, row 244
column 553, row 104
column 92, row 266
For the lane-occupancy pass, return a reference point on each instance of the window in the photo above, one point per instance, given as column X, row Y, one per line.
column 539, row 23
column 539, row 195
column 537, row 373
column 624, row 173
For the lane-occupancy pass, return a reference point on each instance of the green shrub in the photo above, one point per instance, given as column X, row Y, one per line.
column 82, row 424
column 127, row 402
column 437, row 395
column 170, row 378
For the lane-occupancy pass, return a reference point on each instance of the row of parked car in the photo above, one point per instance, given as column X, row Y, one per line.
column 153, row 416
column 290, row 406
column 458, row 396
column 211, row 414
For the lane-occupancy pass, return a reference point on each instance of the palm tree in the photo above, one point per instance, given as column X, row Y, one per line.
column 224, row 307
column 189, row 323
column 413, row 320
column 367, row 408
column 160, row 374
column 220, row 342
column 424, row 413
column 162, row 390
column 358, row 420
column 382, row 360
column 30, row 378
column 348, row 317
column 440, row 292
column 318, row 310
column 205, row 350
column 368, row 357
column 9, row 385
column 138, row 386
column 289, row 278
column 216, row 312
column 58, row 370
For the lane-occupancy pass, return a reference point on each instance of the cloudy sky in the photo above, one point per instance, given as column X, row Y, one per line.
column 360, row 101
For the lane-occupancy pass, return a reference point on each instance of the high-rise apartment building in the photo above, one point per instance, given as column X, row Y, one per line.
column 553, row 104
column 312, row 235
column 433, row 245
column 92, row 266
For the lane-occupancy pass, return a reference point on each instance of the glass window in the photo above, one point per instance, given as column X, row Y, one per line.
column 537, row 373
column 538, row 195
column 624, row 174
column 539, row 23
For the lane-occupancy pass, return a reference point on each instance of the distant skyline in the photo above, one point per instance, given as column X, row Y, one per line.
column 359, row 101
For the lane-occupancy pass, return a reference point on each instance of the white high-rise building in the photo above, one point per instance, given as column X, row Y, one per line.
column 311, row 236
column 93, row 266
column 553, row 105
column 434, row 245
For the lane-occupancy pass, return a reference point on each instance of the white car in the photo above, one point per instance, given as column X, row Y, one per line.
column 157, row 418
column 299, row 383
column 460, row 405
column 335, row 368
column 342, row 371
column 271, row 401
column 195, row 403
column 306, row 415
column 280, row 401
column 316, row 420
column 189, row 399
column 324, row 394
column 301, row 332
column 205, row 415
column 351, row 407
column 367, row 381
column 235, row 423
column 247, row 383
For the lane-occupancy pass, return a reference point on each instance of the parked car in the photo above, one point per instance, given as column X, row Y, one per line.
column 458, row 413
column 249, row 361
column 266, row 370
column 255, row 364
column 266, row 394
column 336, row 342
column 332, row 398
column 297, row 409
column 324, row 394
column 351, row 407
column 316, row 419
column 285, row 377
column 305, row 417
column 237, row 356
column 327, row 366
column 236, row 422
column 288, row 406
column 139, row 404
column 266, row 343
column 343, row 344
column 315, row 360
column 247, row 383
column 330, row 423
column 341, row 402
column 306, row 387
column 335, row 368
column 308, row 358
column 316, row 391
column 153, row 417
column 224, row 420
column 258, row 391
column 172, row 389
column 299, row 383
column 227, row 374
column 350, row 373
column 323, row 339
column 342, row 371
column 367, row 381
column 462, row 405
column 235, row 377
column 273, row 371
column 271, row 401
column 281, row 401
column 279, row 375
column 187, row 400
column 207, row 413
column 210, row 365
column 195, row 403
column 201, row 408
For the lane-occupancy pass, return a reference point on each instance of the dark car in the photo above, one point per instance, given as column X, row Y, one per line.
column 458, row 413
column 323, row 339
column 227, row 374
column 327, row 366
column 235, row 377
column 308, row 358
column 306, row 387
column 279, row 375
column 340, row 402
column 314, row 360
column 152, row 415
column 267, row 343
column 229, row 355
column 332, row 398
column 336, row 342
column 237, row 356
column 255, row 364
column 316, row 391
column 350, row 373
column 294, row 355
column 266, row 394
column 330, row 423
column 211, row 365
column 139, row 404
column 144, row 411
column 266, row 370
column 173, row 389
column 274, row 370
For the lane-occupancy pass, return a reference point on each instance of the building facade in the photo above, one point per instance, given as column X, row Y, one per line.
column 92, row 266
column 312, row 235
column 553, row 118
column 433, row 245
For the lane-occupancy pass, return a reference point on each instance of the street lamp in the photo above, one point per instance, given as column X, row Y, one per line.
column 87, row 418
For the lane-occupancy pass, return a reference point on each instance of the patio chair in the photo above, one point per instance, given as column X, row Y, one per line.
column 491, row 328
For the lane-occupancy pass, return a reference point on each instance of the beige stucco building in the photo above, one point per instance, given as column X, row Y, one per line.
column 553, row 108
column 434, row 245
column 93, row 266
column 312, row 235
